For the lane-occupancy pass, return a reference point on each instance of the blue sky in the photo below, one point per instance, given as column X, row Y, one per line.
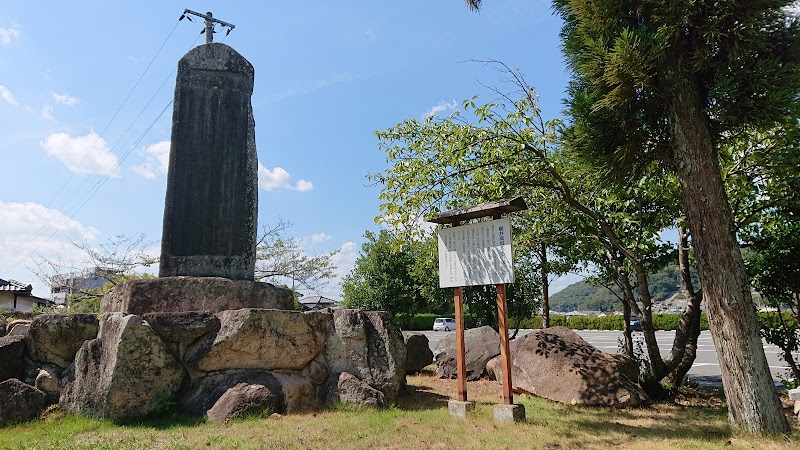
column 79, row 164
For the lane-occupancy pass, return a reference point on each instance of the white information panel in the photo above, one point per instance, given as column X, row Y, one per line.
column 476, row 254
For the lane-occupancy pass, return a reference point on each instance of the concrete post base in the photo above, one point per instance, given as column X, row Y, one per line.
column 459, row 409
column 509, row 413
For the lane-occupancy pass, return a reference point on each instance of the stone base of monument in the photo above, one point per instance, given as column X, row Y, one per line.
column 175, row 294
column 460, row 409
column 224, row 365
column 509, row 413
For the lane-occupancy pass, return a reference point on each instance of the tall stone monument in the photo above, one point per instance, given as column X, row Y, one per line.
column 208, row 247
column 212, row 186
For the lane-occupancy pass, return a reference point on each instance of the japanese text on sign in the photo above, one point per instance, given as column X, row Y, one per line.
column 476, row 254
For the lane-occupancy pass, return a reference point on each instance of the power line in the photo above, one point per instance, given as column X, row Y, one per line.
column 92, row 191
column 72, row 173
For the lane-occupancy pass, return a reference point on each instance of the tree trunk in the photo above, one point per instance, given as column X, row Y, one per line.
column 626, row 329
column 753, row 402
column 690, row 320
column 545, row 288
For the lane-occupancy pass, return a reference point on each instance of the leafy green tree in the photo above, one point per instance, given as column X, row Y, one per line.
column 388, row 278
column 506, row 150
column 671, row 81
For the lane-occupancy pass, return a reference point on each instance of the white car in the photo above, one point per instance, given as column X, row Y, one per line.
column 444, row 323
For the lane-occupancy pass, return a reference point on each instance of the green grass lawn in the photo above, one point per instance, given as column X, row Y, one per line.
column 419, row 422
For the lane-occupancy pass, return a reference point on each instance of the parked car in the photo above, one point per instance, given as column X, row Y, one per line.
column 444, row 323
column 635, row 324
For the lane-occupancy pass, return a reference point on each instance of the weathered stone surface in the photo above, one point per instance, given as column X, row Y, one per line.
column 243, row 400
column 481, row 345
column 347, row 388
column 55, row 338
column 180, row 329
column 48, row 380
column 11, row 361
column 370, row 346
column 256, row 339
column 298, row 393
column 127, row 371
column 317, row 372
column 18, row 327
column 204, row 393
column 212, row 184
column 19, row 401
column 418, row 352
column 3, row 324
column 552, row 364
column 179, row 294
column 494, row 370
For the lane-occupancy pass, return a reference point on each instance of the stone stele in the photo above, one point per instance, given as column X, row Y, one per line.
column 212, row 186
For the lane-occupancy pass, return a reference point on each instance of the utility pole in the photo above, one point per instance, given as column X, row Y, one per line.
column 210, row 21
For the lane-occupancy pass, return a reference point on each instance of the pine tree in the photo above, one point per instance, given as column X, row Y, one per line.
column 670, row 81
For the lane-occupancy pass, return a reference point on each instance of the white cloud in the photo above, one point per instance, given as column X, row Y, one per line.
column 441, row 107
column 7, row 96
column 304, row 186
column 8, row 34
column 156, row 160
column 318, row 238
column 370, row 33
column 87, row 154
column 279, row 178
column 65, row 99
column 30, row 232
column 47, row 112
column 343, row 261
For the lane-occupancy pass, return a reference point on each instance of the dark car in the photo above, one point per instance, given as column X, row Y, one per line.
column 635, row 324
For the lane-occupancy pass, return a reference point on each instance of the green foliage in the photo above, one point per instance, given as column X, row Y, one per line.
column 399, row 280
column 419, row 322
column 586, row 296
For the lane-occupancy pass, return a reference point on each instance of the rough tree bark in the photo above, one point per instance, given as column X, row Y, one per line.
column 753, row 403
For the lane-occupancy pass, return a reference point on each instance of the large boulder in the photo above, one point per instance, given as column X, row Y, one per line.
column 347, row 388
column 176, row 294
column 181, row 329
column 11, row 360
column 205, row 392
column 55, row 338
column 370, row 346
column 19, row 401
column 418, row 352
column 480, row 345
column 126, row 372
column 243, row 400
column 557, row 364
column 256, row 339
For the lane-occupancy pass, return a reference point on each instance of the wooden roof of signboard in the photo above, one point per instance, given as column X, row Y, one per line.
column 494, row 208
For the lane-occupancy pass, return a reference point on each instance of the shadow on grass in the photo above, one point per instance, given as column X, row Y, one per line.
column 666, row 429
column 416, row 398
column 163, row 421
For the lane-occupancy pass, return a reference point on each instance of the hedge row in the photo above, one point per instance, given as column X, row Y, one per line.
column 665, row 322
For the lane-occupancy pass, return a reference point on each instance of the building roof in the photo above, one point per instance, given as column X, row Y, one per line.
column 15, row 286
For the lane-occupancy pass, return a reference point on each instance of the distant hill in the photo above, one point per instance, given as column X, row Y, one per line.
column 583, row 296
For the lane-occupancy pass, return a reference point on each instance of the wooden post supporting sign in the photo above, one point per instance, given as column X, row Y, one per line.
column 461, row 363
column 464, row 251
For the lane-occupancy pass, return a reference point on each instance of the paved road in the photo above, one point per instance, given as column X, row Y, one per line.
column 705, row 369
